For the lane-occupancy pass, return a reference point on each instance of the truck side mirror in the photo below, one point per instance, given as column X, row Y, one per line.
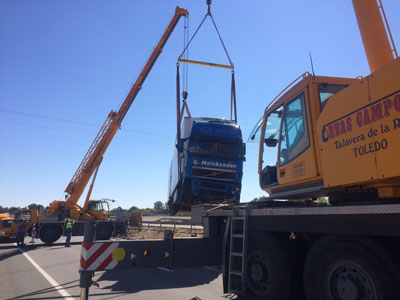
column 179, row 145
column 271, row 142
column 244, row 149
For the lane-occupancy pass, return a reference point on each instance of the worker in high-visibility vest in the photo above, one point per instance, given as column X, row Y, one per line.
column 68, row 232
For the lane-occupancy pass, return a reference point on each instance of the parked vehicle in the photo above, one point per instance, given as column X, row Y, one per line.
column 5, row 227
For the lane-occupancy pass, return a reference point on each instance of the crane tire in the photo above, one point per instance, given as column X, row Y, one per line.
column 348, row 267
column 268, row 274
column 104, row 231
column 50, row 233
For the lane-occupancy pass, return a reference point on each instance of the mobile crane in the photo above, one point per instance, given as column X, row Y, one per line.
column 50, row 229
column 335, row 137
column 323, row 125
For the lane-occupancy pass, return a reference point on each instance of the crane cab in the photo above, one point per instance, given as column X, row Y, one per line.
column 5, row 226
column 97, row 210
column 326, row 135
column 25, row 216
column 288, row 160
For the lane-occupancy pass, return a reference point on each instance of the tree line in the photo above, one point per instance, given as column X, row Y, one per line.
column 158, row 207
column 13, row 209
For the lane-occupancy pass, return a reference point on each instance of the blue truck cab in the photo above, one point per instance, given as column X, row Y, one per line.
column 207, row 164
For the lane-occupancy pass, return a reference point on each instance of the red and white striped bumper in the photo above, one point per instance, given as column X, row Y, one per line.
column 99, row 256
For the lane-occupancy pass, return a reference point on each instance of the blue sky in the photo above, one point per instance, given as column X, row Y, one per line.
column 66, row 64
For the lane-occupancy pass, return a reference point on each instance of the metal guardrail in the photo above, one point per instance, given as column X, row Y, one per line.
column 175, row 222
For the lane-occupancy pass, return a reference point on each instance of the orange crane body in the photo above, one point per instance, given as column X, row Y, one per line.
column 338, row 137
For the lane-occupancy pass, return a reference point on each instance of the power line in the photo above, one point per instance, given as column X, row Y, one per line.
column 43, row 127
column 81, row 132
column 76, row 122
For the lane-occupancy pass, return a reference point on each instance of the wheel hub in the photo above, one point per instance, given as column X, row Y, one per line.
column 257, row 273
column 259, row 278
column 347, row 289
column 347, row 280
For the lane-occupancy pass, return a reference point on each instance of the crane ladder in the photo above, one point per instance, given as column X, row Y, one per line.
column 237, row 258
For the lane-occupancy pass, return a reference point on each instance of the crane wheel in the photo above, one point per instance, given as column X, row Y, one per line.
column 268, row 274
column 50, row 233
column 345, row 267
column 104, row 231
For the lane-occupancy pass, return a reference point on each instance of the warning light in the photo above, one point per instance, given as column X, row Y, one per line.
column 146, row 252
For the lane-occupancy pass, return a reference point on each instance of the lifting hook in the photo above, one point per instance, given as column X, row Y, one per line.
column 184, row 95
column 209, row 6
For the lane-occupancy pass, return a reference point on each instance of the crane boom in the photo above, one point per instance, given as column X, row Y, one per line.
column 104, row 137
column 373, row 33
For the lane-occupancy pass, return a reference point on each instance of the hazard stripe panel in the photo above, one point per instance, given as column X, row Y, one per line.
column 98, row 256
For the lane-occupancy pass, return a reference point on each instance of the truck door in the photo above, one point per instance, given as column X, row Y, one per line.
column 268, row 149
column 296, row 157
column 287, row 151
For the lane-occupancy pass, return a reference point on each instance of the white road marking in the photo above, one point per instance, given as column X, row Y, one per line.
column 50, row 279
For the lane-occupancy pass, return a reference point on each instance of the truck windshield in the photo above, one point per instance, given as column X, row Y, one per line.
column 7, row 223
column 228, row 149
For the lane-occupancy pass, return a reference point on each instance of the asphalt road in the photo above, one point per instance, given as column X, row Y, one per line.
column 42, row 270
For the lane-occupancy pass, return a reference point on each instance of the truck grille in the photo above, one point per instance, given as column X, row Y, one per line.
column 213, row 173
column 213, row 190
column 218, row 194
column 211, row 185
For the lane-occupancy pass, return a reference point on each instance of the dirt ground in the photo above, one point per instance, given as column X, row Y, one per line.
column 156, row 232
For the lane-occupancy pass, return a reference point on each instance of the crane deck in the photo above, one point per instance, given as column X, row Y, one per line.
column 356, row 219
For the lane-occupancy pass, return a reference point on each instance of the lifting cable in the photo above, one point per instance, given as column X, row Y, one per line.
column 215, row 26
column 186, row 56
column 183, row 57
column 180, row 111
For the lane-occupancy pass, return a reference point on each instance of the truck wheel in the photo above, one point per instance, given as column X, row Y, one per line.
column 268, row 274
column 104, row 231
column 342, row 268
column 50, row 233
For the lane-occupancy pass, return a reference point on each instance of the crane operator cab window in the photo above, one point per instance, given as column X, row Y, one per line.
column 294, row 137
column 269, row 171
column 327, row 90
column 269, row 168
column 95, row 205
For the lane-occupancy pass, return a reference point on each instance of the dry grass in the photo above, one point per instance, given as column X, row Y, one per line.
column 146, row 233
